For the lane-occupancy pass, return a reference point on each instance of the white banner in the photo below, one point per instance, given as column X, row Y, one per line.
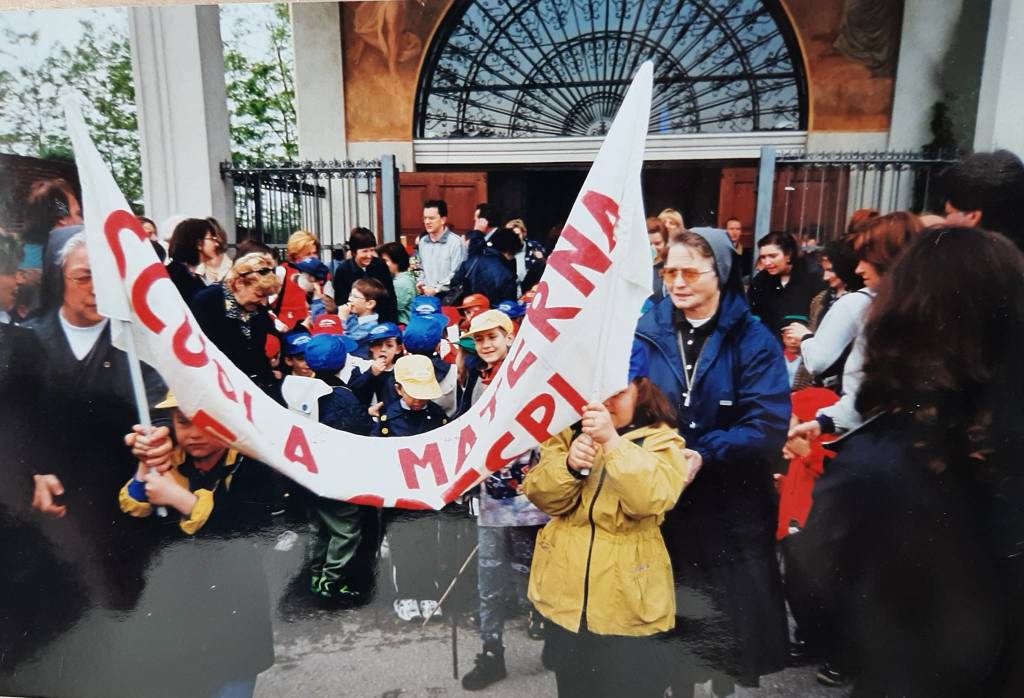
column 573, row 347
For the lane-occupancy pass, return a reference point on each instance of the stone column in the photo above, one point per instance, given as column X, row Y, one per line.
column 320, row 108
column 178, row 65
column 1001, row 101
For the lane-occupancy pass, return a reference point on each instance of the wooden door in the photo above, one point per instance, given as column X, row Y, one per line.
column 462, row 191
column 737, row 198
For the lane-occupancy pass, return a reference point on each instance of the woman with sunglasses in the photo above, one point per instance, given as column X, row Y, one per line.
column 724, row 372
column 234, row 316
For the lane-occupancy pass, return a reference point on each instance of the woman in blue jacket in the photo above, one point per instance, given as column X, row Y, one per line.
column 725, row 372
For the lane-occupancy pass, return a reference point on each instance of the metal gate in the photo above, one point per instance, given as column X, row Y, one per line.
column 326, row 198
column 814, row 194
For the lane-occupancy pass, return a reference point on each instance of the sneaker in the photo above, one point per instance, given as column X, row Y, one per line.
column 430, row 609
column 829, row 675
column 314, row 583
column 535, row 625
column 488, row 668
column 407, row 609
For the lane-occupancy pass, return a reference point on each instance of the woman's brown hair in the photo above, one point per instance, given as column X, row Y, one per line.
column 652, row 407
column 944, row 339
column 880, row 240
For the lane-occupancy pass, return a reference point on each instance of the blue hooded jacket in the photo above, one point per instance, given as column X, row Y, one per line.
column 739, row 410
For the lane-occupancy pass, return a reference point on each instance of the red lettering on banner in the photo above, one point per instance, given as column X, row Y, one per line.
column 247, row 401
column 401, row 503
column 563, row 388
column 491, row 403
column 369, row 500
column 516, row 372
column 112, row 227
column 467, row 439
column 210, row 424
column 460, row 485
column 601, row 207
column 224, row 383
column 495, row 456
column 431, row 457
column 537, row 428
column 150, row 275
column 195, row 359
column 297, row 450
column 584, row 253
column 541, row 315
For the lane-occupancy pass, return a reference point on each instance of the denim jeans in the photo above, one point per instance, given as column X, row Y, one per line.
column 504, row 567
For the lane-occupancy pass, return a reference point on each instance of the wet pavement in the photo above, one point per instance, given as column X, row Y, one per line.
column 370, row 652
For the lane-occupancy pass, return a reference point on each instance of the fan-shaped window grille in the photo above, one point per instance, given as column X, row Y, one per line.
column 536, row 68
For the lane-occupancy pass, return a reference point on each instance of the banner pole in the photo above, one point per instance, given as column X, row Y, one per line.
column 138, row 385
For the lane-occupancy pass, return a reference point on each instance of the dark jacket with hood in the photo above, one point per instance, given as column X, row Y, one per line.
column 349, row 272
column 488, row 273
column 721, row 533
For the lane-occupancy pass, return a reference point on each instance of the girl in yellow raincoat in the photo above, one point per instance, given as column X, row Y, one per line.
column 601, row 574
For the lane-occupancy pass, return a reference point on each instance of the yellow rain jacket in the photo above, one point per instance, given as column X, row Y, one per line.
column 602, row 552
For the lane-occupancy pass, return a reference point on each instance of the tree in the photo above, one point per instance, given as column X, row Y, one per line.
column 261, row 91
column 98, row 66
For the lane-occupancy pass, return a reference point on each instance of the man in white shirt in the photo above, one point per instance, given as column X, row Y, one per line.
column 440, row 250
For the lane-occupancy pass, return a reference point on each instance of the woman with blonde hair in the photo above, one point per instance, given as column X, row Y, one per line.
column 234, row 316
column 673, row 222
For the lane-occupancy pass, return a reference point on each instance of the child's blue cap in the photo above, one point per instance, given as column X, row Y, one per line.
column 326, row 352
column 385, row 330
column 422, row 334
column 314, row 267
column 425, row 305
column 296, row 343
column 514, row 309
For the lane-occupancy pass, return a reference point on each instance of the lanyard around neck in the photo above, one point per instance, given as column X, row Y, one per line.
column 688, row 375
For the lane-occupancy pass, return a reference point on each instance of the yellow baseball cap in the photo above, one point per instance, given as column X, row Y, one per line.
column 415, row 373
column 488, row 320
column 169, row 401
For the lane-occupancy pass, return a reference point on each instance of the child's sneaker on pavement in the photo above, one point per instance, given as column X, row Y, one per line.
column 407, row 609
column 488, row 668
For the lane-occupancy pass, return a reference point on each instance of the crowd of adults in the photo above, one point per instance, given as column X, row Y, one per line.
column 850, row 410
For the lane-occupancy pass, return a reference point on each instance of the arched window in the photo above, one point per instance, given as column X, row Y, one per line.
column 536, row 68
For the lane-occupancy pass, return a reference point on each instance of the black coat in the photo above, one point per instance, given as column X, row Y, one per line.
column 772, row 302
column 247, row 353
column 921, row 571
column 349, row 272
column 185, row 280
column 488, row 273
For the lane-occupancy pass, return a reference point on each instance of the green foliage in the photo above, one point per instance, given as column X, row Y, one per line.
column 99, row 67
column 261, row 93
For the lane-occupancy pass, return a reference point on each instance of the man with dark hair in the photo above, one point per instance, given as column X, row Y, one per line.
column 492, row 271
column 734, row 228
column 365, row 264
column 440, row 250
column 986, row 190
column 485, row 222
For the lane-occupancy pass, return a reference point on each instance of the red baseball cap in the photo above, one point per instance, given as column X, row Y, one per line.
column 327, row 324
column 475, row 300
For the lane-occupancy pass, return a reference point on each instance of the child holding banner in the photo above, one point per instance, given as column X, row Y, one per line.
column 602, row 576
column 508, row 522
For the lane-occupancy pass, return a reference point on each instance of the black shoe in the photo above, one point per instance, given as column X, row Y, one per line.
column 489, row 667
column 802, row 654
column 829, row 675
column 535, row 625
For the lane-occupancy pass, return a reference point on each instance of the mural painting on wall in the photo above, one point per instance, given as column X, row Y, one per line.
column 851, row 50
column 384, row 44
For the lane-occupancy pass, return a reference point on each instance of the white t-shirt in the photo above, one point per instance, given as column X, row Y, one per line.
column 81, row 339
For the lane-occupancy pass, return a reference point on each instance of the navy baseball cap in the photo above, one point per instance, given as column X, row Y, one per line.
column 295, row 343
column 422, row 334
column 385, row 330
column 314, row 267
column 514, row 309
column 425, row 305
column 326, row 352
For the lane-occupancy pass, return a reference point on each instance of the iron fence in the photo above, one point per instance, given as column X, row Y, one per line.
column 814, row 194
column 327, row 198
